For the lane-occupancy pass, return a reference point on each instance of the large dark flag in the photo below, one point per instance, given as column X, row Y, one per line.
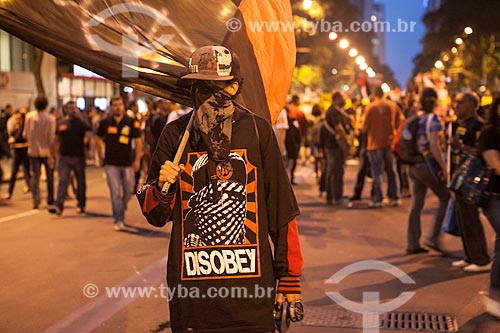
column 146, row 44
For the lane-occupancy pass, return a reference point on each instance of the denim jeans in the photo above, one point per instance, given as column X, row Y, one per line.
column 334, row 178
column 380, row 159
column 492, row 212
column 35, row 170
column 422, row 179
column 121, row 182
column 65, row 165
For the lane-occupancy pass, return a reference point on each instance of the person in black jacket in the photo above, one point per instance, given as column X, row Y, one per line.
column 227, row 197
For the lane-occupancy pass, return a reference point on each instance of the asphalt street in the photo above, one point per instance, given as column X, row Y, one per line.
column 52, row 264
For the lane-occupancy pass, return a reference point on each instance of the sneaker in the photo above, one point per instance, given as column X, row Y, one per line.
column 7, row 196
column 375, row 205
column 491, row 306
column 119, row 226
column 81, row 210
column 473, row 268
column 460, row 263
column 416, row 251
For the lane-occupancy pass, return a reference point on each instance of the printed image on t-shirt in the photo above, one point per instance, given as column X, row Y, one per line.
column 219, row 203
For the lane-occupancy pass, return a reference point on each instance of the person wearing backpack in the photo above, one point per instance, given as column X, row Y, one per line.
column 429, row 173
column 466, row 132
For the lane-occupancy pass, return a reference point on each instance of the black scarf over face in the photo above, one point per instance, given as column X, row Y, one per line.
column 213, row 119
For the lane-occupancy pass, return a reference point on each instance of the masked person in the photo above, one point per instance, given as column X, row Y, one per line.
column 227, row 197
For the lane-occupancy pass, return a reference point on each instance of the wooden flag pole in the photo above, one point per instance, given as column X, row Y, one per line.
column 180, row 150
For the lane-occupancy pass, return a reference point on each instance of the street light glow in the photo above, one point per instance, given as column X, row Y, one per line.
column 353, row 52
column 360, row 60
column 363, row 66
column 446, row 57
column 344, row 44
column 468, row 30
column 459, row 41
column 454, row 50
column 373, row 18
column 372, row 74
column 385, row 88
column 332, row 36
column 307, row 4
column 439, row 64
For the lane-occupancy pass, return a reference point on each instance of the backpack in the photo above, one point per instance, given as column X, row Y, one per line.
column 405, row 142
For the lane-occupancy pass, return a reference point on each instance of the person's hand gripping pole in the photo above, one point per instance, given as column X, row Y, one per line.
column 171, row 170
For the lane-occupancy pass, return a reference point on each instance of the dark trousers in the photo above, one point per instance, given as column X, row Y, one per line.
column 293, row 166
column 334, row 178
column 492, row 212
column 472, row 233
column 364, row 166
column 404, row 182
column 65, row 165
column 35, row 170
column 19, row 159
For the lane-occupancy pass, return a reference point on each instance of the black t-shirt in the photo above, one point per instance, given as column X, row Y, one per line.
column 490, row 140
column 467, row 131
column 223, row 241
column 118, row 139
column 71, row 133
column 334, row 117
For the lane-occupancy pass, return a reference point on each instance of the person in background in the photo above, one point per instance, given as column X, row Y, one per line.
column 177, row 112
column 70, row 143
column 19, row 145
column 465, row 133
column 382, row 118
column 40, row 131
column 489, row 142
column 280, row 127
column 429, row 174
column 335, row 120
column 133, row 113
column 292, row 145
column 163, row 109
column 314, row 141
column 118, row 132
column 297, row 114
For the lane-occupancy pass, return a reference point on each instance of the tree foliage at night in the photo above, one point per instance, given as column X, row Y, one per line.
column 479, row 57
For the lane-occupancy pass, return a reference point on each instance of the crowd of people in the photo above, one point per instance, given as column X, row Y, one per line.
column 444, row 136
column 46, row 142
column 123, row 141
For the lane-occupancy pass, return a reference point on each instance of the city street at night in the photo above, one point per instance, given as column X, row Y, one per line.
column 49, row 260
